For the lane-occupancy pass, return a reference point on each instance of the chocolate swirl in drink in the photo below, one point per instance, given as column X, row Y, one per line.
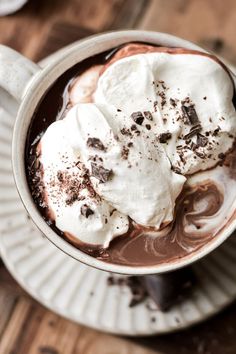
column 130, row 155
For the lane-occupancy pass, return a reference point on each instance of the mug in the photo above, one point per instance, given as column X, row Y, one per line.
column 27, row 83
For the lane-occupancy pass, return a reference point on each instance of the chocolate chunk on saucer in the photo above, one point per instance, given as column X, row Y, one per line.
column 168, row 289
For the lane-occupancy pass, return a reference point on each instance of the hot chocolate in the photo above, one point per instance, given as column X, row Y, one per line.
column 130, row 154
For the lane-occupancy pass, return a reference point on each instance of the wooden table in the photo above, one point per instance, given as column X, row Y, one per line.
column 40, row 28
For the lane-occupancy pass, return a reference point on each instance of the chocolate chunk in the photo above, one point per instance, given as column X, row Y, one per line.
column 148, row 115
column 137, row 117
column 190, row 112
column 168, row 289
column 86, row 211
column 163, row 137
column 101, row 173
column 133, row 127
column 125, row 131
column 148, row 126
column 95, row 143
column 130, row 144
column 216, row 131
column 201, row 140
column 221, row 156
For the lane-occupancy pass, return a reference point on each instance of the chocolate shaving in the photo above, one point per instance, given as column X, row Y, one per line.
column 193, row 146
column 72, row 198
column 190, row 112
column 60, row 176
column 163, row 137
column 137, row 117
column 200, row 154
column 155, row 106
column 193, row 131
column 86, row 211
column 173, row 103
column 148, row 115
column 125, row 153
column 101, row 173
column 96, row 144
column 176, row 170
column 133, row 127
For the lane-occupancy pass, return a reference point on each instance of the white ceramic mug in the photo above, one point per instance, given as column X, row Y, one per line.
column 27, row 83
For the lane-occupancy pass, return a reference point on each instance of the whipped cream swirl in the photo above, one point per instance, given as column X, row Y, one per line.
column 171, row 86
column 131, row 139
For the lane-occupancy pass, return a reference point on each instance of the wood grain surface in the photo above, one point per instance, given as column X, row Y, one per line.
column 39, row 29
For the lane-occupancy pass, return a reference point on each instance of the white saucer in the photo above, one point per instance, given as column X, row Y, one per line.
column 81, row 293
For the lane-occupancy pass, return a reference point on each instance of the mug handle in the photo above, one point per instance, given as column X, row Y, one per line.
column 16, row 72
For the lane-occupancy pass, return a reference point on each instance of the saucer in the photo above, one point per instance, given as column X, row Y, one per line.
column 81, row 293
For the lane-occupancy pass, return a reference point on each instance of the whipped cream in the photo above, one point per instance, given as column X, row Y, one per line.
column 155, row 119
column 73, row 204
column 139, row 181
column 163, row 83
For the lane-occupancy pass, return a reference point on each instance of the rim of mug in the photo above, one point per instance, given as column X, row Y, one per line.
column 35, row 90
